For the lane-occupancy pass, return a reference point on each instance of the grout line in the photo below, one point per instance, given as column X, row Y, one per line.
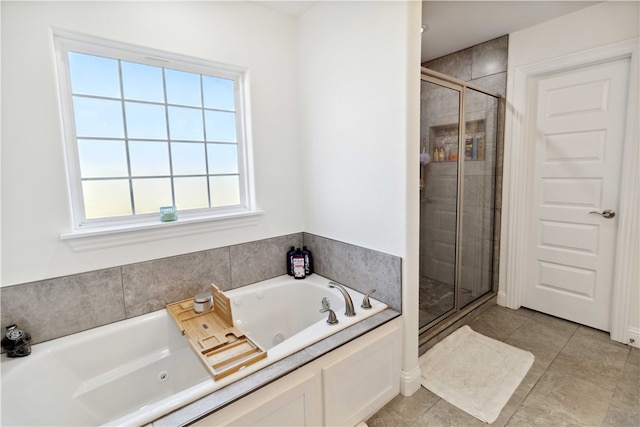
column 124, row 301
column 230, row 268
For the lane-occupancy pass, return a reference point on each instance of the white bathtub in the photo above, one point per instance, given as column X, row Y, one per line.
column 134, row 371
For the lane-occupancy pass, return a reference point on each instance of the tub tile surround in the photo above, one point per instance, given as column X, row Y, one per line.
column 358, row 268
column 151, row 285
column 255, row 261
column 54, row 308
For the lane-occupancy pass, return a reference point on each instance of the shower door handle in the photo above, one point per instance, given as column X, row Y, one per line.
column 607, row 213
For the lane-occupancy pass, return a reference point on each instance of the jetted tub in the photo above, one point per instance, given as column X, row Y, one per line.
column 134, row 371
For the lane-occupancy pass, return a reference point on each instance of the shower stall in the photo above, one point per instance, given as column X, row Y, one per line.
column 460, row 142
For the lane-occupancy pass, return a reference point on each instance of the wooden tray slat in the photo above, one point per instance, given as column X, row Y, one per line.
column 221, row 304
column 230, row 369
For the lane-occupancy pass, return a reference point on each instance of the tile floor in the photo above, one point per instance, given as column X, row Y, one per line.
column 579, row 378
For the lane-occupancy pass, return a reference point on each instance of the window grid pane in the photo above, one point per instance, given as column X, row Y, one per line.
column 144, row 124
column 106, row 198
column 151, row 193
column 225, row 190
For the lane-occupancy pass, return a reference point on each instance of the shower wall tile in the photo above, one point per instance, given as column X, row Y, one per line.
column 151, row 285
column 358, row 268
column 54, row 308
column 261, row 260
column 445, row 252
column 438, row 169
column 478, row 191
column 476, row 252
column 440, row 235
column 490, row 57
column 474, row 283
column 443, row 272
column 496, row 83
column 477, row 104
column 478, row 223
column 458, row 65
column 441, row 190
column 440, row 102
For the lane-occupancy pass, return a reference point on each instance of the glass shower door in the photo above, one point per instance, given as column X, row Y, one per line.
column 479, row 177
column 459, row 146
column 439, row 136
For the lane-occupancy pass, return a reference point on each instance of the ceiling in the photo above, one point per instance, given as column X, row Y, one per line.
column 454, row 25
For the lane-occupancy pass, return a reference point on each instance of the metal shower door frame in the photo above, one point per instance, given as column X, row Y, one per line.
column 461, row 86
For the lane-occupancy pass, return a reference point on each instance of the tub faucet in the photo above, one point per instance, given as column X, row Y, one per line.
column 348, row 304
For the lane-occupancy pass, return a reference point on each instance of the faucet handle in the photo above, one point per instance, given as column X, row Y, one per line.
column 366, row 304
column 332, row 320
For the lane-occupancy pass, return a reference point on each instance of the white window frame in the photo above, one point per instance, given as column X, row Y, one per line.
column 88, row 234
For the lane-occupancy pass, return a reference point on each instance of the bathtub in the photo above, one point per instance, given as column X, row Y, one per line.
column 134, row 371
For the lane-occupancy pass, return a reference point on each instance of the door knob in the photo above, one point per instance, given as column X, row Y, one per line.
column 607, row 213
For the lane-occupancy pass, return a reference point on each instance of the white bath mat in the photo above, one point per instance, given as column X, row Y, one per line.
column 473, row 372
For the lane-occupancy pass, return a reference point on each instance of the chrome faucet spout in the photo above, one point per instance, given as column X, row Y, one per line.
column 348, row 303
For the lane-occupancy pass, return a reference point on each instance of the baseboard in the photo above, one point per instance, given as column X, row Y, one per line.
column 502, row 299
column 410, row 382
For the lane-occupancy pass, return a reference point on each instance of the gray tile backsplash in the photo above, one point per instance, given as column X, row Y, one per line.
column 358, row 268
column 151, row 285
column 260, row 260
column 53, row 308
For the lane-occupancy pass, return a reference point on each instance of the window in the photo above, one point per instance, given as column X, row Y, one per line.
column 146, row 129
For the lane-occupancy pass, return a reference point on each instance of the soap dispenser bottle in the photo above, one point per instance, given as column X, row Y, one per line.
column 16, row 342
column 297, row 265
column 289, row 259
column 308, row 261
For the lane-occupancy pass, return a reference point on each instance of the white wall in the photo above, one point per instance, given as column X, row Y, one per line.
column 598, row 25
column 359, row 121
column 353, row 122
column 35, row 205
column 589, row 28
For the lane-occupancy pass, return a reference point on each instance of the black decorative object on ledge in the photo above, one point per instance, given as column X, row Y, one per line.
column 16, row 342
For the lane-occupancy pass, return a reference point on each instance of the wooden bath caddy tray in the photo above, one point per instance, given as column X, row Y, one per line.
column 222, row 348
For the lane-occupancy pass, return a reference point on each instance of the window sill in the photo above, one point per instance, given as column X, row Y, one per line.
column 120, row 235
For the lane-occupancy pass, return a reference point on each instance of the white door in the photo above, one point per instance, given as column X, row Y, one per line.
column 580, row 121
